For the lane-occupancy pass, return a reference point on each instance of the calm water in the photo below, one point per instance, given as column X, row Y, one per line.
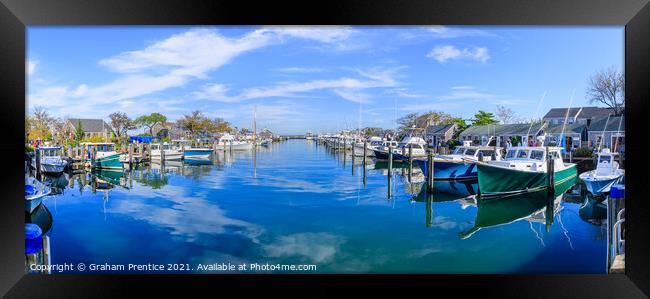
column 299, row 203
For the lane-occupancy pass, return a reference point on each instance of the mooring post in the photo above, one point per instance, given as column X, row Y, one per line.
column 162, row 155
column 410, row 161
column 430, row 172
column 37, row 154
column 550, row 175
column 570, row 156
column 353, row 161
column 230, row 146
column 130, row 155
column 390, row 169
column 94, row 157
column 365, row 148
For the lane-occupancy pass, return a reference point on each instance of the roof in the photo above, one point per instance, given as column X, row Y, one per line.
column 498, row 129
column 575, row 128
column 439, row 129
column 90, row 125
column 612, row 124
column 580, row 112
column 520, row 129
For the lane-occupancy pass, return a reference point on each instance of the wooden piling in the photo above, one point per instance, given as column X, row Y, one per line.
column 430, row 172
column 550, row 175
column 365, row 148
column 390, row 169
column 162, row 155
column 37, row 154
column 410, row 161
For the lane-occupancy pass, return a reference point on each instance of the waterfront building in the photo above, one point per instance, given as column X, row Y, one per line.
column 90, row 127
column 581, row 115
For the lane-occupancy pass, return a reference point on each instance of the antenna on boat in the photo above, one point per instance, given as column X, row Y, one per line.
column 602, row 136
column 566, row 116
column 620, row 119
column 539, row 104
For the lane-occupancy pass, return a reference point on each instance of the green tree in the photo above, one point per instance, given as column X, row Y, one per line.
column 149, row 121
column 79, row 132
column 483, row 118
column 194, row 123
column 40, row 124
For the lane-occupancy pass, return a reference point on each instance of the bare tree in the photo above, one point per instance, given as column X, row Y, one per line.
column 121, row 123
column 40, row 123
column 608, row 87
column 505, row 115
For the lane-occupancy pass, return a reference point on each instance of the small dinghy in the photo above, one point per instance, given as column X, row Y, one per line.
column 606, row 174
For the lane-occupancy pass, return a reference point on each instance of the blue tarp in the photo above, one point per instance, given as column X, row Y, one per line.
column 141, row 139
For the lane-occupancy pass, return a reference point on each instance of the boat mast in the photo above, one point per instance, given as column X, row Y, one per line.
column 539, row 104
column 566, row 116
column 254, row 123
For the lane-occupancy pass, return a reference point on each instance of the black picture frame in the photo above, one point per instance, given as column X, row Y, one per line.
column 15, row 15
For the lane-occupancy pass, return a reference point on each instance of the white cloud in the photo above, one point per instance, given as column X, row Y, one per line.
column 353, row 95
column 404, row 93
column 300, row 70
column 30, row 66
column 314, row 247
column 463, row 93
column 173, row 62
column 448, row 52
column 373, row 78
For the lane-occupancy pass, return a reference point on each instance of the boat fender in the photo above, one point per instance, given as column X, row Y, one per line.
column 617, row 191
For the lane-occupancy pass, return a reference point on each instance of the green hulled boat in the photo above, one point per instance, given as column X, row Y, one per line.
column 523, row 170
column 109, row 162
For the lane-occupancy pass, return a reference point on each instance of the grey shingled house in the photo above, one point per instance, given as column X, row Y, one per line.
column 436, row 134
column 90, row 127
column 581, row 115
column 611, row 132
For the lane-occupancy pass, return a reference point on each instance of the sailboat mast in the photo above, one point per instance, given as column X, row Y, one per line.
column 566, row 116
column 254, row 123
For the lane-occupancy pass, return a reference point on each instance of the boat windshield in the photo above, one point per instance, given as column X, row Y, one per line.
column 537, row 155
column 606, row 159
column 522, row 154
column 375, row 142
column 459, row 151
column 487, row 153
column 511, row 154
column 470, row 152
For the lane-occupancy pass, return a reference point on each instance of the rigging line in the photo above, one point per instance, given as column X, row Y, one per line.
column 539, row 104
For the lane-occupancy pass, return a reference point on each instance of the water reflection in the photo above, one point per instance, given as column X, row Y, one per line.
column 268, row 206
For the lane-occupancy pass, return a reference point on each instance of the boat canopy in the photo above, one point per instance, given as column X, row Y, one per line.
column 141, row 139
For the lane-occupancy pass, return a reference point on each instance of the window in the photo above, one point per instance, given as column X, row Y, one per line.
column 470, row 152
column 511, row 154
column 607, row 159
column 459, row 151
column 537, row 155
column 487, row 153
column 522, row 154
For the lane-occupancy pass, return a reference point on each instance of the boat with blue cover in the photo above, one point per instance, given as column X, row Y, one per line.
column 34, row 193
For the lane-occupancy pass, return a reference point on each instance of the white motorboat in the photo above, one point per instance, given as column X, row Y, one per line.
column 171, row 153
column 52, row 161
column 229, row 142
column 606, row 174
column 371, row 145
column 34, row 193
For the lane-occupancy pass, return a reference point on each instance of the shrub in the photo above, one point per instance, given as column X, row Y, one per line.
column 582, row 152
column 29, row 148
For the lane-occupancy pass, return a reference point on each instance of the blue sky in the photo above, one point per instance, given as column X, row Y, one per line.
column 313, row 78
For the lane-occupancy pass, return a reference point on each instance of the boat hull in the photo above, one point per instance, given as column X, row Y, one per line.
column 199, row 154
column 599, row 186
column 449, row 170
column 169, row 155
column 109, row 162
column 52, row 168
column 494, row 180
